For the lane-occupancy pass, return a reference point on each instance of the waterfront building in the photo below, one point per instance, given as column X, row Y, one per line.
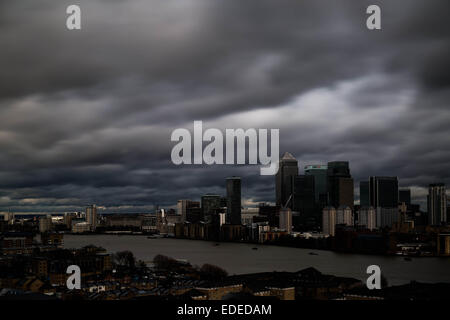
column 81, row 227
column 150, row 223
column 257, row 228
column 248, row 214
column 181, row 208
column 189, row 211
column 367, row 218
column 130, row 221
column 387, row 217
column 210, row 204
column 232, row 232
column 329, row 221
column 344, row 215
column 91, row 216
column 286, row 219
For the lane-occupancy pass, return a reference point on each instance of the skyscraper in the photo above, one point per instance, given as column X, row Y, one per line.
column 91, row 216
column 304, row 202
column 319, row 172
column 234, row 200
column 364, row 194
column 383, row 192
column 303, row 195
column 340, row 184
column 288, row 168
column 404, row 195
column 437, row 203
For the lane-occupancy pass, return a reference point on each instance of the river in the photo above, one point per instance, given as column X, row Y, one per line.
column 240, row 258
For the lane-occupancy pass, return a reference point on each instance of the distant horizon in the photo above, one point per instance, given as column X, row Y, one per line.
column 132, row 208
column 148, row 208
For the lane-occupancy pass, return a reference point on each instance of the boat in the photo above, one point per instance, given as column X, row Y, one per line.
column 313, row 254
column 407, row 259
column 254, row 248
column 155, row 236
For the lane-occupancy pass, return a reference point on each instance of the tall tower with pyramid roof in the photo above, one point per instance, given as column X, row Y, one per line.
column 284, row 187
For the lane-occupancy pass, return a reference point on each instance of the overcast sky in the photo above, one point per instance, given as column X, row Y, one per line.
column 86, row 116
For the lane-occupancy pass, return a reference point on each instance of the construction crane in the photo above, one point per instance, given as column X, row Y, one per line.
column 287, row 202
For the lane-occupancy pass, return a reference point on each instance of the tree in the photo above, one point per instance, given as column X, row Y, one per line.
column 213, row 272
column 165, row 262
column 124, row 259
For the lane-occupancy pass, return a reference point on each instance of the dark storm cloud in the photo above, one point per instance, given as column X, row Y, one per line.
column 86, row 116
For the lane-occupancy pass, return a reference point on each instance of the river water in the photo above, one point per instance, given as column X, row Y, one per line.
column 239, row 258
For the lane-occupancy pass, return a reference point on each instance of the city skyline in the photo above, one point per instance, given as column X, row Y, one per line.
column 88, row 121
column 297, row 173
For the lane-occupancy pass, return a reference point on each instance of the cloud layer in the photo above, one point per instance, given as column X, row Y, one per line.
column 86, row 116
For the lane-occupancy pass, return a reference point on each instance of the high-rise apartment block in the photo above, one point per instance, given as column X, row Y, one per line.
column 91, row 216
column 344, row 215
column 437, row 204
column 367, row 218
column 286, row 219
column 329, row 221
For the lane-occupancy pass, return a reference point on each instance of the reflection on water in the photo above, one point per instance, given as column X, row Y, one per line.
column 239, row 258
